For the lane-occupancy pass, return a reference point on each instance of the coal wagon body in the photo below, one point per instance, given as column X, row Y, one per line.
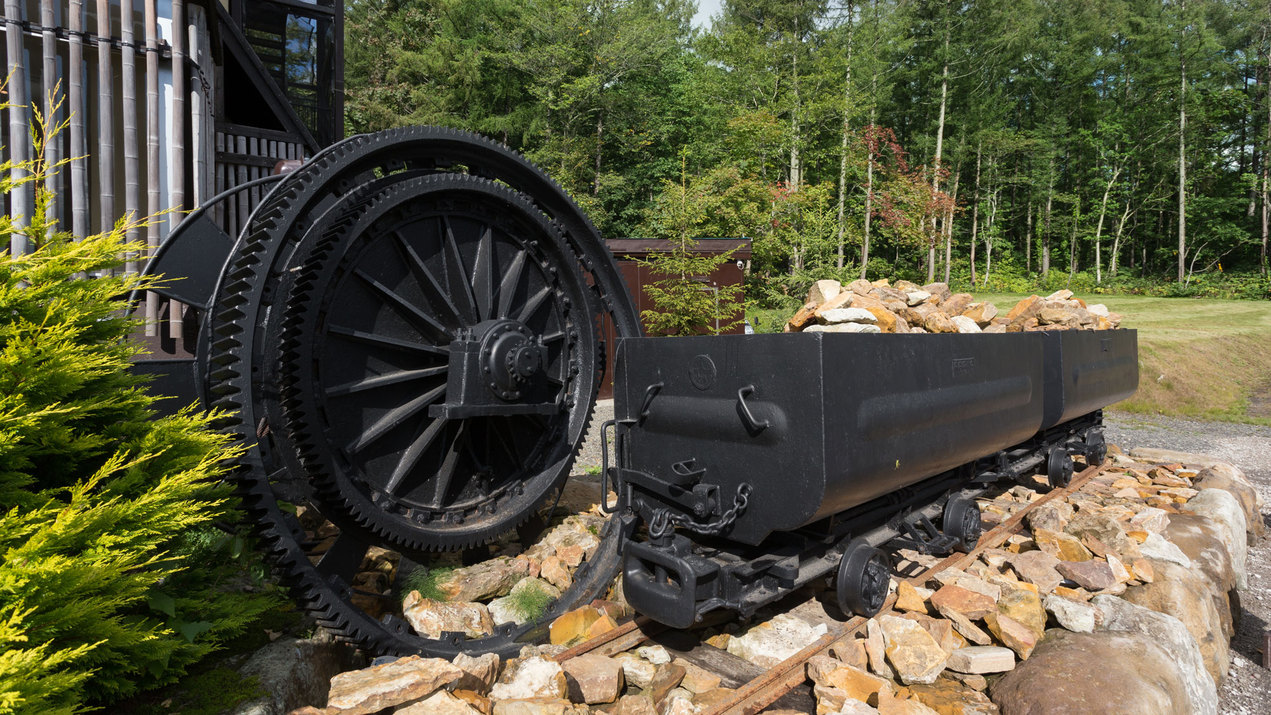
column 825, row 440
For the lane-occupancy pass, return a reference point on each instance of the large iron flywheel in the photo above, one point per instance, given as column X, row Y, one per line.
column 405, row 338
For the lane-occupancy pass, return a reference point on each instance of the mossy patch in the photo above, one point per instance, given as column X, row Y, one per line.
column 427, row 581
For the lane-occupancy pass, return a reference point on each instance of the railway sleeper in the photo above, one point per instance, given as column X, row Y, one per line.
column 677, row 579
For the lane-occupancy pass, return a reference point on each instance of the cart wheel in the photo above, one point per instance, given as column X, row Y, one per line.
column 1059, row 468
column 962, row 521
column 1096, row 448
column 862, row 580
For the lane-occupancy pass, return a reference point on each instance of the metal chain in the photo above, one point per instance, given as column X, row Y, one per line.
column 663, row 521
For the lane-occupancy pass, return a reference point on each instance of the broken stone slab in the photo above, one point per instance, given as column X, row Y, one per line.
column 1225, row 511
column 847, row 315
column 1023, row 605
column 981, row 659
column 858, row 684
column 636, row 670
column 479, row 673
column 655, row 654
column 697, row 680
column 593, row 679
column 771, row 642
column 573, row 626
column 479, row 582
column 1076, row 616
column 964, row 324
column 965, row 627
column 439, row 703
column 913, row 652
column 845, row 328
column 948, row 695
column 1062, row 546
column 667, row 678
column 966, row 602
column 369, row 690
column 824, row 290
column 876, row 649
column 1158, row 547
column 1150, row 519
column 534, row 677
column 1037, row 567
column 1091, row 575
column 909, row 599
column 1105, row 672
column 538, row 706
column 431, row 618
column 1173, row 637
column 1013, row 634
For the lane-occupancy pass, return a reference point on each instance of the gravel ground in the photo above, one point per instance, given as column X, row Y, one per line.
column 1246, row 446
column 1249, row 448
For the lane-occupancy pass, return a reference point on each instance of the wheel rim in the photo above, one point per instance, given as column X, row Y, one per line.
column 366, row 355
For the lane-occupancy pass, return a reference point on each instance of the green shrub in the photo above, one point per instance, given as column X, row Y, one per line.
column 110, row 580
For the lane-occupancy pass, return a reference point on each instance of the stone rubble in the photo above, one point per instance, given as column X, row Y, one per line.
column 1108, row 601
column 880, row 307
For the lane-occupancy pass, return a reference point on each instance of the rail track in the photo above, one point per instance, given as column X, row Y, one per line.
column 756, row 688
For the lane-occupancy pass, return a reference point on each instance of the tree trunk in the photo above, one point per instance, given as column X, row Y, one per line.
column 988, row 235
column 1182, row 145
column 1266, row 156
column 1072, row 240
column 1098, row 231
column 847, row 106
column 1116, row 242
column 600, row 143
column 975, row 210
column 948, row 228
column 935, row 171
column 796, row 167
column 1028, row 239
column 869, row 200
column 1050, row 199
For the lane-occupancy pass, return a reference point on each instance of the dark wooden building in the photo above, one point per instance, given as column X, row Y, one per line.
column 631, row 252
column 168, row 103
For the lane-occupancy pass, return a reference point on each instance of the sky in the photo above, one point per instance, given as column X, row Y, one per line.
column 705, row 8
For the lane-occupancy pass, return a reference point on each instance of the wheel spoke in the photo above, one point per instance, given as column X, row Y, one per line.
column 427, row 281
column 534, row 303
column 386, row 342
column 508, row 286
column 395, row 417
column 392, row 378
column 457, row 274
column 412, row 454
column 508, row 442
column 343, row 558
column 404, row 307
column 483, row 275
column 446, row 474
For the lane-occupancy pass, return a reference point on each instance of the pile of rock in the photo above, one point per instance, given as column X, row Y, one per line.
column 1119, row 599
column 880, row 307
column 511, row 587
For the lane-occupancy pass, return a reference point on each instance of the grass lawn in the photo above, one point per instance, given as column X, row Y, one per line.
column 1201, row 358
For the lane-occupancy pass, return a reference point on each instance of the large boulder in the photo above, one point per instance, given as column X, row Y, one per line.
column 1171, row 635
column 1106, row 672
column 1187, row 595
column 1222, row 508
column 1223, row 476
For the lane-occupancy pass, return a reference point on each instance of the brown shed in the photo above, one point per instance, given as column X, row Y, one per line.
column 630, row 251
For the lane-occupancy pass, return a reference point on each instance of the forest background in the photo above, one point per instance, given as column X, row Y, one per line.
column 1009, row 145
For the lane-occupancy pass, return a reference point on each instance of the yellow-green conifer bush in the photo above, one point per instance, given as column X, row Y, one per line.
column 113, row 578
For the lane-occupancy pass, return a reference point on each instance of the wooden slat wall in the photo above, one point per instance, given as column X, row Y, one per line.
column 111, row 90
column 244, row 154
